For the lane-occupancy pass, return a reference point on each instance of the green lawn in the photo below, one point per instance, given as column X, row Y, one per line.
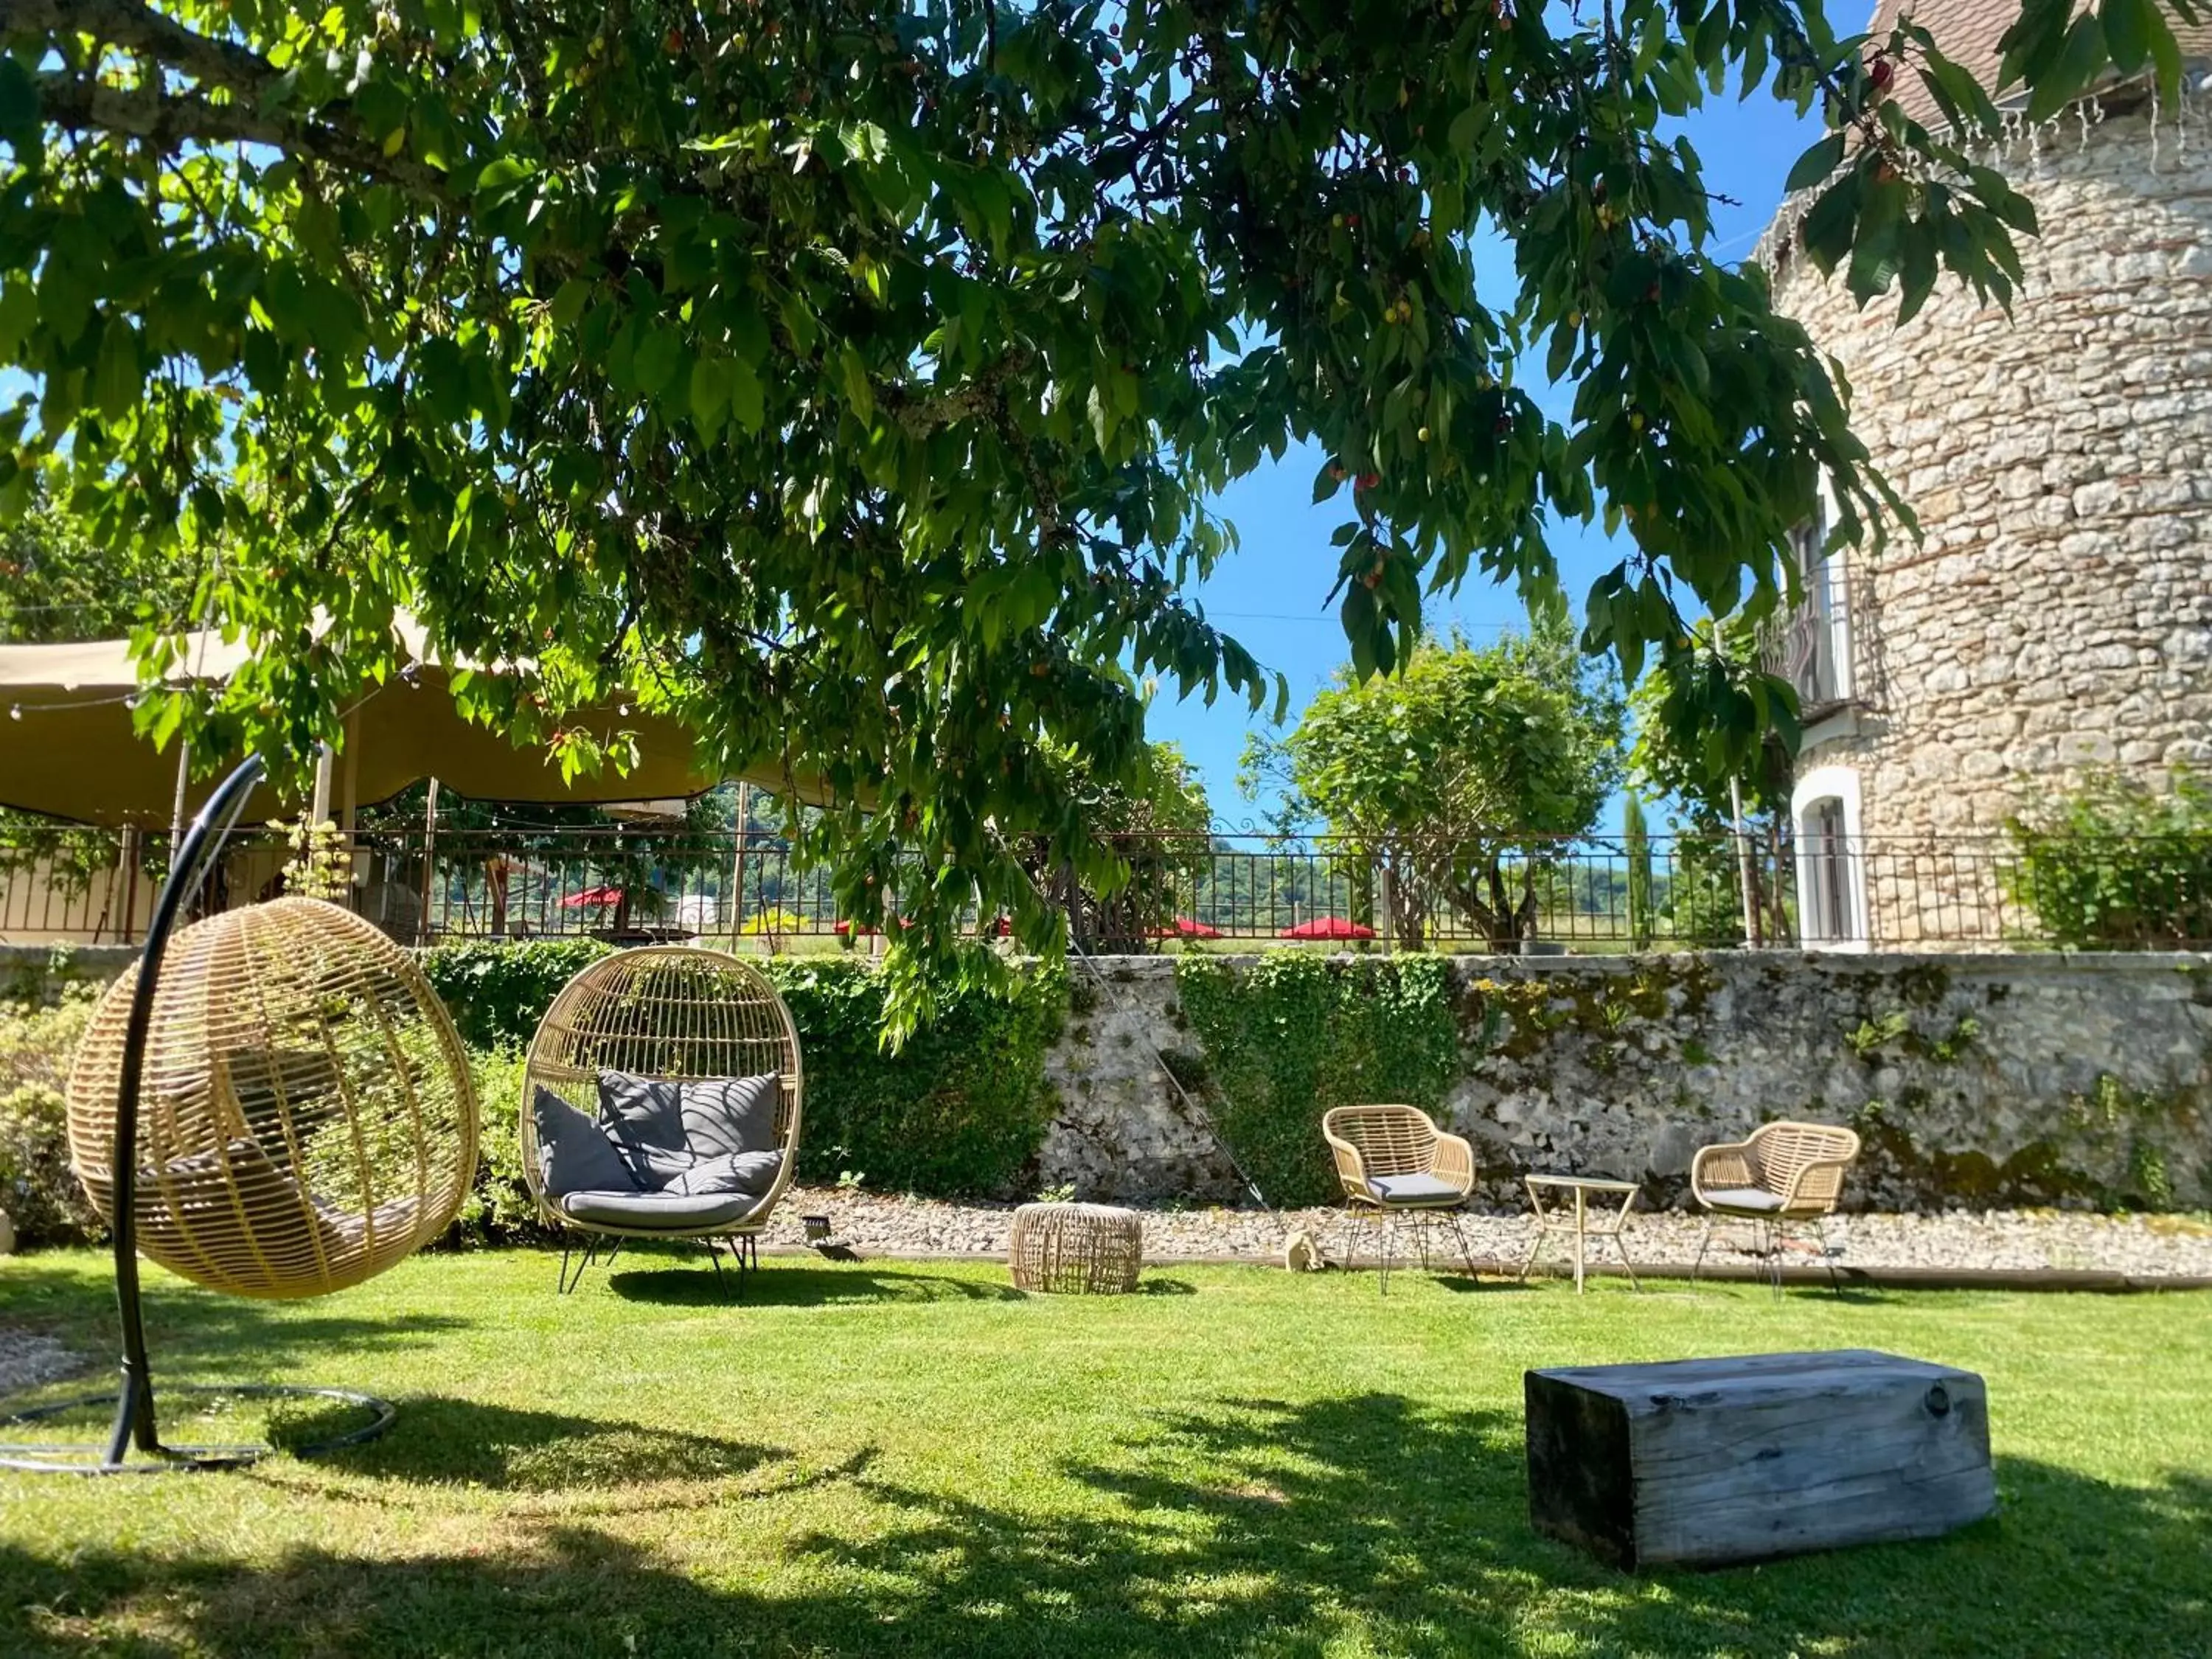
column 889, row 1458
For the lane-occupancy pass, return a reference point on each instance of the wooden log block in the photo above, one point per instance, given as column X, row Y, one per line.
column 1700, row 1463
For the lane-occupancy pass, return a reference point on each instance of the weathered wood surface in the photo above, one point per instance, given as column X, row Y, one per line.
column 1700, row 1463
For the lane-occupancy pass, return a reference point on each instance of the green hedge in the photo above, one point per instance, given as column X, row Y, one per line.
column 497, row 993
column 1291, row 1035
column 957, row 1112
column 37, row 1188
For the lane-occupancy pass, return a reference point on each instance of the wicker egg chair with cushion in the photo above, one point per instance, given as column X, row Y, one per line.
column 1393, row 1161
column 661, row 1099
column 1783, row 1175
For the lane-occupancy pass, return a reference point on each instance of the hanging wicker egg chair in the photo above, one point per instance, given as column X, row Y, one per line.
column 272, row 1103
column 306, row 1114
column 665, row 1014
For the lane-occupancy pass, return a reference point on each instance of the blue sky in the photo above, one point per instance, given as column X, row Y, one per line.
column 1270, row 595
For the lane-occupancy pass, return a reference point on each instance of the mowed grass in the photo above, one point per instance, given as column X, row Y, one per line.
column 884, row 1457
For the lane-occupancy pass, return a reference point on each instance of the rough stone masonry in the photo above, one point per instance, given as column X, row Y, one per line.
column 1976, row 1080
column 2055, row 611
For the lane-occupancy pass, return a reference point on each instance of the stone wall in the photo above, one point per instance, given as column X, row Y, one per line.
column 2058, row 610
column 1975, row 1079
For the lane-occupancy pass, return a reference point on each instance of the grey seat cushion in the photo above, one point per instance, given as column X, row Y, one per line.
column 674, row 1212
column 733, row 1172
column 1412, row 1188
column 574, row 1155
column 1744, row 1198
column 727, row 1115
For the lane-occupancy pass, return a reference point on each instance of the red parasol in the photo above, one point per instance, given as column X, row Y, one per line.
column 591, row 896
column 1187, row 928
column 1328, row 927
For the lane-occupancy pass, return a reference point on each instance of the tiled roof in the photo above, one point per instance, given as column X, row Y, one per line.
column 1968, row 32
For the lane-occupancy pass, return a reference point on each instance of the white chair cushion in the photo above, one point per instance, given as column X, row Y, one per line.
column 1752, row 1200
column 1412, row 1188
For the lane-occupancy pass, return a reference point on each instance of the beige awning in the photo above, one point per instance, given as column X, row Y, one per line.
column 67, row 748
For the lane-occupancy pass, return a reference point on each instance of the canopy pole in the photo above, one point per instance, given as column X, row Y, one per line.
column 737, row 864
column 320, row 814
column 429, row 862
column 349, row 785
column 177, row 810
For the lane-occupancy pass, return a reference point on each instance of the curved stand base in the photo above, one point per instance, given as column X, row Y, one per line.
column 72, row 1459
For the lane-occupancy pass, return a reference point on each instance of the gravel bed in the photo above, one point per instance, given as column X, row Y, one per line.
column 2143, row 1246
column 30, row 1358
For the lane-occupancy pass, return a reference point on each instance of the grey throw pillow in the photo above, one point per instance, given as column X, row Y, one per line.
column 725, row 1114
column 655, row 1168
column 641, row 1116
column 751, row 1173
column 574, row 1155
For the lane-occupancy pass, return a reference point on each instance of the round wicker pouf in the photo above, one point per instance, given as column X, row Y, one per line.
column 1076, row 1249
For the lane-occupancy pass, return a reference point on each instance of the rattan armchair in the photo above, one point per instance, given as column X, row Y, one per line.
column 1785, row 1174
column 1393, row 1161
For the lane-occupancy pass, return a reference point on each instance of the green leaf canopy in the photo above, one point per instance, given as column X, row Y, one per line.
column 852, row 377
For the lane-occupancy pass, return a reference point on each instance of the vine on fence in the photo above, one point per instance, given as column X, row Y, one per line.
column 1289, row 1035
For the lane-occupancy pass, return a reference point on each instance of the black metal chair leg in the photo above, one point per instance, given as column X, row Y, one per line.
column 1465, row 1256
column 715, row 1256
column 568, row 1282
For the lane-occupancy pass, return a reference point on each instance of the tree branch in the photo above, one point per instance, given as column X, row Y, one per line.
column 172, row 122
column 140, row 28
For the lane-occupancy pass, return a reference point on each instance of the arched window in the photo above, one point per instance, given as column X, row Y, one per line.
column 1831, row 903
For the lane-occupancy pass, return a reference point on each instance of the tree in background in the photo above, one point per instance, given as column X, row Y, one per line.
column 851, row 378
column 1636, row 852
column 59, row 582
column 1456, row 781
column 1159, row 832
column 1701, row 899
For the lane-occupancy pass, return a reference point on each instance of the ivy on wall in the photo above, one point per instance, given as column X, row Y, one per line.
column 1288, row 1036
column 958, row 1111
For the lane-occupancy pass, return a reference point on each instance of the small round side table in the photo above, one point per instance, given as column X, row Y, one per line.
column 1076, row 1249
column 1609, row 1223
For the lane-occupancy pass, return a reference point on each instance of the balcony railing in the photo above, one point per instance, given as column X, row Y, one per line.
column 1808, row 646
column 1524, row 893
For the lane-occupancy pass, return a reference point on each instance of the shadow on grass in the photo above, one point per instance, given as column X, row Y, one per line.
column 199, row 1334
column 442, row 1441
column 1364, row 1522
column 776, row 1285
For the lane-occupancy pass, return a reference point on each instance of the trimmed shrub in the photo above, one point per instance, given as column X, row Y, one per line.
column 37, row 1189
column 498, row 992
column 2119, row 865
column 958, row 1112
column 497, row 1210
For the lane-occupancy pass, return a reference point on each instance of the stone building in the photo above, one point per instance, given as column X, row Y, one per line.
column 2057, row 612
